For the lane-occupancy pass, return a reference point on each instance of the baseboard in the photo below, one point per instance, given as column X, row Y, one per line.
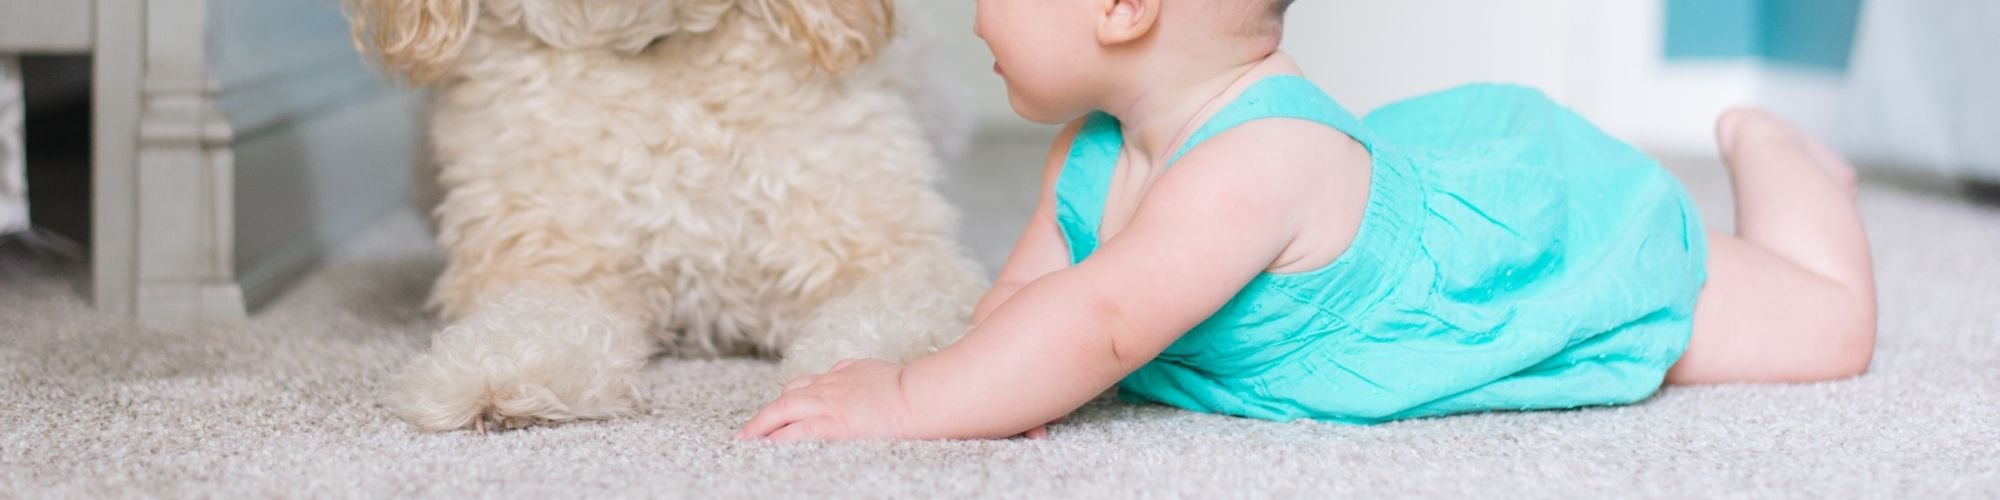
column 1673, row 112
column 315, row 178
column 269, row 277
column 1812, row 98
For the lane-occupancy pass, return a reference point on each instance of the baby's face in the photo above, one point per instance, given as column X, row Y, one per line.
column 1046, row 51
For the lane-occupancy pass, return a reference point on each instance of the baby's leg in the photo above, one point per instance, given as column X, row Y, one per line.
column 1791, row 296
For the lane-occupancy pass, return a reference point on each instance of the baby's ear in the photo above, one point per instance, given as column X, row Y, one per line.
column 840, row 34
column 416, row 40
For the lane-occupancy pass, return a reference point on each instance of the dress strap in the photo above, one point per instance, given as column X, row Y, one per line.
column 1085, row 182
column 1282, row 96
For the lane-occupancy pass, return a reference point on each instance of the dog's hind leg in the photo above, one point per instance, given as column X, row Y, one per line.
column 526, row 356
column 921, row 302
column 543, row 330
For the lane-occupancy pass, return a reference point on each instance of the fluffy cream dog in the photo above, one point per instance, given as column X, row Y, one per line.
column 710, row 177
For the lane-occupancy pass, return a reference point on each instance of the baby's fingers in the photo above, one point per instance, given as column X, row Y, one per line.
column 803, row 430
column 802, row 381
column 778, row 414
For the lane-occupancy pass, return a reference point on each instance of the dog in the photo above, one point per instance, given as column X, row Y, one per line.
column 623, row 178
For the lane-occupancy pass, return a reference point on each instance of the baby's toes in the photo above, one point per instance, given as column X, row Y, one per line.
column 1839, row 169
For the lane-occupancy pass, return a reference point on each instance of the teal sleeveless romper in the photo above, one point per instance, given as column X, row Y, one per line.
column 1511, row 257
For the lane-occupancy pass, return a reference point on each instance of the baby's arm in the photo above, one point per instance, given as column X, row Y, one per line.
column 1205, row 230
column 1040, row 249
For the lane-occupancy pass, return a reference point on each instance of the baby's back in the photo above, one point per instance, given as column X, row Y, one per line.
column 1511, row 257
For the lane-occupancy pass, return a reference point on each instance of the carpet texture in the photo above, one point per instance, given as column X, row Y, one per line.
column 290, row 405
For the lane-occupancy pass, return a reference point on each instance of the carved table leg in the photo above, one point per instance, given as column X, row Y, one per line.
column 184, row 178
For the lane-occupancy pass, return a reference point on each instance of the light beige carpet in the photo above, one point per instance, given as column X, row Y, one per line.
column 289, row 405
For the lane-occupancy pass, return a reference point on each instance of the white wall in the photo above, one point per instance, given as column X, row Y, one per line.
column 1602, row 58
column 1367, row 53
column 951, row 28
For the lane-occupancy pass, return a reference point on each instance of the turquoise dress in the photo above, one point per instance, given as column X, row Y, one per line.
column 1511, row 257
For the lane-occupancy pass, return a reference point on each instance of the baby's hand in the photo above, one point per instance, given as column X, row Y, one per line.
column 858, row 399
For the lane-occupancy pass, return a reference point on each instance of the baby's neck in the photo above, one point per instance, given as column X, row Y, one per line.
column 1158, row 113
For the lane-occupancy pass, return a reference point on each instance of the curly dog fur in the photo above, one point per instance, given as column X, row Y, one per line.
column 704, row 177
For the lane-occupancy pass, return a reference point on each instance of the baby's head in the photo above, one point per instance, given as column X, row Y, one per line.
column 1061, row 58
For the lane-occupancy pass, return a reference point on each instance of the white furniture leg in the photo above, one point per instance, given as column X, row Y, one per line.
column 162, row 223
column 162, row 220
column 13, row 153
column 117, row 64
column 185, row 215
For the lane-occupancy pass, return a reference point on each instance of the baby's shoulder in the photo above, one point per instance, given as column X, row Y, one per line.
column 1283, row 143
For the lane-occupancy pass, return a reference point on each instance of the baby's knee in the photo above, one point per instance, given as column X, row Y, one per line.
column 1850, row 339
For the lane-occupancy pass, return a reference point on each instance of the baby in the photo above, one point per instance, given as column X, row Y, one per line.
column 1217, row 234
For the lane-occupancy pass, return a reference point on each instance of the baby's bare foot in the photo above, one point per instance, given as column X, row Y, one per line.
column 1836, row 166
column 1750, row 126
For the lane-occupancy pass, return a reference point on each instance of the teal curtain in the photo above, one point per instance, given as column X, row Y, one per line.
column 1813, row 34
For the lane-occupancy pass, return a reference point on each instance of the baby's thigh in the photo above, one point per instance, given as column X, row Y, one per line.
column 1764, row 319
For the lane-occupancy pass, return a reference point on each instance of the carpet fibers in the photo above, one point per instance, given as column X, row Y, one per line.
column 290, row 404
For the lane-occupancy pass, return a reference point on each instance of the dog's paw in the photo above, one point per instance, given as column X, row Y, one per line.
column 508, row 369
column 440, row 393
